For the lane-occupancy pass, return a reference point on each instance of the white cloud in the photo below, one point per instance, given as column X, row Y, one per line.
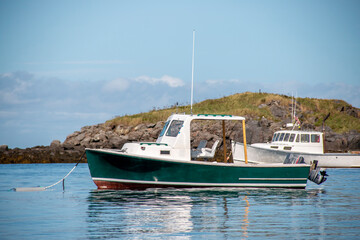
column 235, row 81
column 214, row 82
column 117, row 85
column 8, row 114
column 55, row 107
column 16, row 87
column 171, row 81
column 82, row 115
column 3, row 75
column 15, row 98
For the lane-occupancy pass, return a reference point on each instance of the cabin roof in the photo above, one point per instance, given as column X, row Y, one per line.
column 298, row 131
column 206, row 117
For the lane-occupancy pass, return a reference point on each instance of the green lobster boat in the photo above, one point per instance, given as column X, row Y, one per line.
column 170, row 162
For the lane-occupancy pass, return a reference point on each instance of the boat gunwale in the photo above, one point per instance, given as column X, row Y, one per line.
column 214, row 163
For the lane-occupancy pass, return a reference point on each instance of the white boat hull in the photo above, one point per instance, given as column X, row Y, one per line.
column 327, row 160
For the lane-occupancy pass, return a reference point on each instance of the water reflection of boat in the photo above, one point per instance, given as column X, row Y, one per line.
column 112, row 212
column 188, row 213
column 170, row 162
column 246, row 222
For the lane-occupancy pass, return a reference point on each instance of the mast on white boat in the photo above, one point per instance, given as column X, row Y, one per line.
column 293, row 117
column 292, row 107
column 294, row 113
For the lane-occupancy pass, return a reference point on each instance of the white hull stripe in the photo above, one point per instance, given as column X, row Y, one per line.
column 204, row 184
column 274, row 179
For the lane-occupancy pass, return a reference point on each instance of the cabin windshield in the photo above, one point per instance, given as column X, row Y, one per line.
column 164, row 129
column 174, row 128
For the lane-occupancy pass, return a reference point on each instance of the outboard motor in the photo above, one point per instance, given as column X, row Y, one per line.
column 316, row 175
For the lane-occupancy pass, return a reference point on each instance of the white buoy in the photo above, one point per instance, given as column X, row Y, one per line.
column 29, row 189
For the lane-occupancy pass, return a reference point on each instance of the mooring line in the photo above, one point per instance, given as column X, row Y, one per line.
column 50, row 186
column 31, row 189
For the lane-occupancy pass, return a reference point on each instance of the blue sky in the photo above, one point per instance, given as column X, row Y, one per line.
column 68, row 64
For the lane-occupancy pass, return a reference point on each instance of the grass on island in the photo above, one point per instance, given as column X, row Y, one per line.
column 247, row 104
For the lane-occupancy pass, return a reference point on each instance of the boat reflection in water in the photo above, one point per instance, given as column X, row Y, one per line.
column 134, row 212
column 209, row 213
column 246, row 217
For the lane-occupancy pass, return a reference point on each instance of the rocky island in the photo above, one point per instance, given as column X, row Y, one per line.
column 265, row 113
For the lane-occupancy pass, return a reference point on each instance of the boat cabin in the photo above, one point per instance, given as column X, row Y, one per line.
column 174, row 139
column 297, row 141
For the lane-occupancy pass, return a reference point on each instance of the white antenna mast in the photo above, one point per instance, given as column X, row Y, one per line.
column 295, row 121
column 292, row 107
column 192, row 73
column 295, row 104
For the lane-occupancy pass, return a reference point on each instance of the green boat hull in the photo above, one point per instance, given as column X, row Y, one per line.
column 114, row 170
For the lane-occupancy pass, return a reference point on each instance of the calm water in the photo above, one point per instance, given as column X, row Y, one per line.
column 328, row 211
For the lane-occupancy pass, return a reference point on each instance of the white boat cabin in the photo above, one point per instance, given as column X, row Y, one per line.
column 174, row 140
column 295, row 141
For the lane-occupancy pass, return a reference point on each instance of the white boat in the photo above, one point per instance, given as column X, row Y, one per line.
column 308, row 144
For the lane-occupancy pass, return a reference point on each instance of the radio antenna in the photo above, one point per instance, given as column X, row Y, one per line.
column 192, row 73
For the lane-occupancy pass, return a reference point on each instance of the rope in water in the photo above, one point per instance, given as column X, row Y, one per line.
column 31, row 189
column 50, row 186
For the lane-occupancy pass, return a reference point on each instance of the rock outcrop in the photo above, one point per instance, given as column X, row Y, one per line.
column 41, row 154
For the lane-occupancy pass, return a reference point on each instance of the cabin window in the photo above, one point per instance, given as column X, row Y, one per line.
column 297, row 138
column 286, row 138
column 277, row 137
column 281, row 136
column 315, row 138
column 274, row 137
column 305, row 138
column 292, row 137
column 174, row 128
column 164, row 129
